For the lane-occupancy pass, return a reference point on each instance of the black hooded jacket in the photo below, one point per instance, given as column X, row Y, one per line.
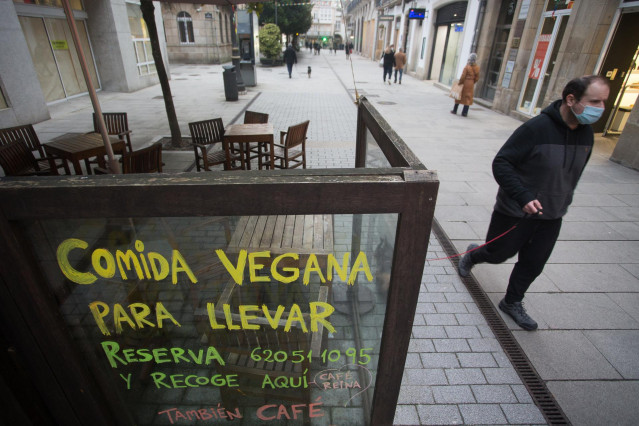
column 543, row 160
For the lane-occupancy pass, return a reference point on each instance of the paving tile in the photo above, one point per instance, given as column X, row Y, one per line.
column 581, row 311
column 450, row 308
column 416, row 395
column 451, row 345
column 595, row 403
column 476, row 360
column 592, row 278
column 424, row 377
column 484, row 414
column 498, row 376
column 484, row 344
column 413, row 361
column 523, row 414
column 470, row 319
column 406, row 415
column 494, row 394
column 629, row 302
column 421, row 345
column 465, row 376
column 453, row 394
column 429, row 332
column 440, row 319
column 522, row 394
column 439, row 415
column 547, row 351
column 462, row 331
column 439, row 360
column 621, row 349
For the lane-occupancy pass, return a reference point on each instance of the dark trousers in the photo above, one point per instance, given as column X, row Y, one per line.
column 533, row 239
column 389, row 71
column 464, row 109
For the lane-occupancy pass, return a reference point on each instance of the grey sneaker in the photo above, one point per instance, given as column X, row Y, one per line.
column 465, row 263
column 517, row 312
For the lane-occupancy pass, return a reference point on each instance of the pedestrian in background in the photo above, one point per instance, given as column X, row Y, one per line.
column 400, row 61
column 537, row 170
column 388, row 62
column 290, row 57
column 469, row 77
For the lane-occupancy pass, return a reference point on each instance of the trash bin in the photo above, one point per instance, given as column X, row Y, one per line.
column 247, row 68
column 230, row 83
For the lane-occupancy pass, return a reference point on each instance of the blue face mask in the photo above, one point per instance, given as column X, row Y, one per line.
column 589, row 115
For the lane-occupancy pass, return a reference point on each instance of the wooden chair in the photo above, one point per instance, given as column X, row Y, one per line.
column 205, row 135
column 117, row 124
column 292, row 146
column 146, row 160
column 27, row 134
column 17, row 159
column 259, row 150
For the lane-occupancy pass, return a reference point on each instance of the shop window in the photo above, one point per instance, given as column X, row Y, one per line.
column 542, row 62
column 185, row 28
column 141, row 40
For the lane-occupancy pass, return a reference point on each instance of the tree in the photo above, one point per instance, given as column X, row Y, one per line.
column 147, row 8
column 291, row 19
column 270, row 44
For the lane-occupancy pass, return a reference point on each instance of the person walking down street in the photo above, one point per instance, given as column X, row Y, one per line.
column 400, row 61
column 537, row 170
column 290, row 57
column 469, row 77
column 389, row 62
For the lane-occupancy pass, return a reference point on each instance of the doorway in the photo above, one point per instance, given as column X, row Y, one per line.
column 449, row 35
column 620, row 68
column 495, row 61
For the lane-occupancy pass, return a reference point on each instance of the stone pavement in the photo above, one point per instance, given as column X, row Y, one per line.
column 586, row 301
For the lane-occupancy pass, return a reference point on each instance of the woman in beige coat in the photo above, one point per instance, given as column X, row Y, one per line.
column 469, row 77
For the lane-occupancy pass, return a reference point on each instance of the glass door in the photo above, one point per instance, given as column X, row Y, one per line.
column 55, row 58
column 451, row 54
column 541, row 65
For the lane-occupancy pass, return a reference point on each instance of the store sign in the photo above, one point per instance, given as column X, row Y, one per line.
column 385, row 18
column 59, row 45
column 540, row 55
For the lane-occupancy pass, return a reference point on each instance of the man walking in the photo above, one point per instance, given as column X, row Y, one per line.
column 537, row 170
column 400, row 61
column 290, row 57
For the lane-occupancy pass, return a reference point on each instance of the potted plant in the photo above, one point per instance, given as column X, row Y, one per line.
column 270, row 45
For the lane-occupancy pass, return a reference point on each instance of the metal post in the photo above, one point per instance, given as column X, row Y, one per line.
column 112, row 163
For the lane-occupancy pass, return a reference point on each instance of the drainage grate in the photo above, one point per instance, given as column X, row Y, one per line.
column 535, row 385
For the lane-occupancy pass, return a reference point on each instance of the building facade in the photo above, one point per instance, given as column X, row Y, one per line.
column 527, row 50
column 198, row 33
column 38, row 60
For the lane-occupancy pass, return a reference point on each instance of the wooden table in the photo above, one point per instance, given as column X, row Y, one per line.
column 244, row 134
column 82, row 146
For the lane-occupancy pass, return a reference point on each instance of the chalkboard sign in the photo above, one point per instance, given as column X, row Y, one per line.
column 265, row 318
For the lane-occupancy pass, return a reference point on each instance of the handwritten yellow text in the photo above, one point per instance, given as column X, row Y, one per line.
column 248, row 318
column 137, row 319
column 258, row 260
column 148, row 266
